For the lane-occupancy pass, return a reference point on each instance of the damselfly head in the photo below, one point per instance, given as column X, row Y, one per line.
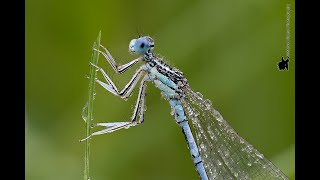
column 141, row 45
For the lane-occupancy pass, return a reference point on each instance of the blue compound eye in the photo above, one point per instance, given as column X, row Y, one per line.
column 141, row 45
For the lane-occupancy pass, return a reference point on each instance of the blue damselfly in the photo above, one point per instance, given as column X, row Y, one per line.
column 218, row 151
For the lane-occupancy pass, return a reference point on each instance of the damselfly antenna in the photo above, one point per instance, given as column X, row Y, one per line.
column 139, row 35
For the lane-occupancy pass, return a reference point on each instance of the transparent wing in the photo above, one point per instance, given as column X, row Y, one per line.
column 225, row 154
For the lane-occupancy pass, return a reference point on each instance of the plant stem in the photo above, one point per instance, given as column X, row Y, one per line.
column 89, row 114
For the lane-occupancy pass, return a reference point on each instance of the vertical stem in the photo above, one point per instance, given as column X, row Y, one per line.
column 89, row 115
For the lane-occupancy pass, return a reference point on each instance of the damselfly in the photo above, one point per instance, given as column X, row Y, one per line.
column 218, row 151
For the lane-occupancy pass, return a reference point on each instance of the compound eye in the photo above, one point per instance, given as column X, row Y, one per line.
column 131, row 45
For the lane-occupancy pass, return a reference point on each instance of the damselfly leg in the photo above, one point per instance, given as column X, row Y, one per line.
column 115, row 67
column 111, row 87
column 125, row 93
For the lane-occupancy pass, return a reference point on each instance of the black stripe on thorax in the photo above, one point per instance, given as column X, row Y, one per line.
column 171, row 73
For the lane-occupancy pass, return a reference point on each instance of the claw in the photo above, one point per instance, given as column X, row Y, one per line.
column 91, row 64
column 93, row 125
column 85, row 138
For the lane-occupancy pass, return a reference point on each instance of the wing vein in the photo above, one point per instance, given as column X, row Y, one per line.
column 225, row 154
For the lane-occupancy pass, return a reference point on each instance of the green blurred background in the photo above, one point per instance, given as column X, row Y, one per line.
column 228, row 50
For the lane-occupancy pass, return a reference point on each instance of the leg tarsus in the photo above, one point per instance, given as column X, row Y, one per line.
column 86, row 138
